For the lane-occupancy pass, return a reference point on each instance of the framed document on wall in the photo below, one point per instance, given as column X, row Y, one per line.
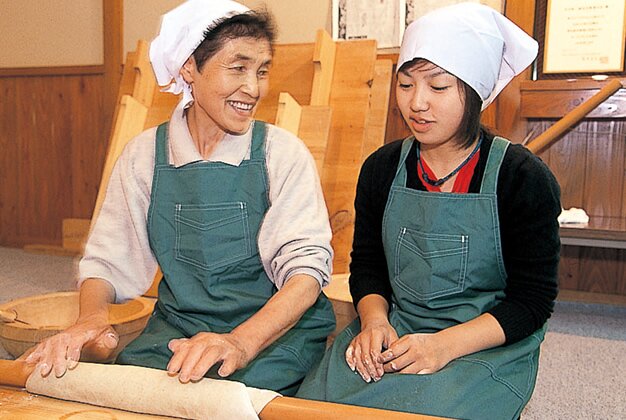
column 581, row 37
column 382, row 20
column 418, row 8
column 386, row 20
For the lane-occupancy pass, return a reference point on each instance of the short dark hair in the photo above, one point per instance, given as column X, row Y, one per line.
column 470, row 123
column 470, row 126
column 251, row 24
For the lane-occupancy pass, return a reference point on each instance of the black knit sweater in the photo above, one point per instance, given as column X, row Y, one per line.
column 528, row 207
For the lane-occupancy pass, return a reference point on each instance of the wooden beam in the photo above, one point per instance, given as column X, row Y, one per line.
column 113, row 36
column 509, row 122
column 51, row 71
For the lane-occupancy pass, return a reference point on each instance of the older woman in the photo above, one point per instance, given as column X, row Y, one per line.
column 456, row 246
column 231, row 210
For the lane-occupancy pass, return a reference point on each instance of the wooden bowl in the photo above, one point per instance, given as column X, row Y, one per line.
column 51, row 313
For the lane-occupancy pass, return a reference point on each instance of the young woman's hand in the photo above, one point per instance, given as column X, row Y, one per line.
column 91, row 338
column 193, row 357
column 363, row 355
column 415, row 353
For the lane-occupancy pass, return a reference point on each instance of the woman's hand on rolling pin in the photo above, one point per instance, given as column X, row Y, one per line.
column 193, row 357
column 92, row 336
column 415, row 353
column 364, row 352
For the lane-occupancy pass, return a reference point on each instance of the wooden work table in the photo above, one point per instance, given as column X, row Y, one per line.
column 17, row 403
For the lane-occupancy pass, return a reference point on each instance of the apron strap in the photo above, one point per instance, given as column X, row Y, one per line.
column 257, row 149
column 400, row 178
column 494, row 161
column 161, row 157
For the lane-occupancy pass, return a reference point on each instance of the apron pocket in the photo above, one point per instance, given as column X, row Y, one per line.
column 430, row 265
column 209, row 236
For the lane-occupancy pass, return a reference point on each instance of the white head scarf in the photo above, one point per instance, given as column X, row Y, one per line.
column 182, row 31
column 474, row 43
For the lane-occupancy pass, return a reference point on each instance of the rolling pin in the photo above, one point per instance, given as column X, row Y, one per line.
column 10, row 316
column 16, row 372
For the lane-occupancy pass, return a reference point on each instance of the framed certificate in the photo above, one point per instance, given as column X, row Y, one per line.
column 581, row 37
column 417, row 8
column 386, row 20
column 382, row 20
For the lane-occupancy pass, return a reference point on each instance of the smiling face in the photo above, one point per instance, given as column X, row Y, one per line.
column 230, row 84
column 431, row 102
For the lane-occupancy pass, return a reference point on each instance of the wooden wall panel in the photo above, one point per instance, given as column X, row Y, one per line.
column 9, row 175
column 566, row 159
column 620, row 133
column 621, row 270
column 87, row 153
column 45, row 155
column 569, row 267
column 589, row 162
column 599, row 270
column 53, row 147
column 605, row 169
column 595, row 270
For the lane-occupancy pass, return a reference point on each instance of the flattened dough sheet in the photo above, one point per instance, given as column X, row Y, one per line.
column 152, row 391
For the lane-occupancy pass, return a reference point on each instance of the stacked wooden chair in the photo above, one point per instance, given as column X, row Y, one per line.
column 347, row 79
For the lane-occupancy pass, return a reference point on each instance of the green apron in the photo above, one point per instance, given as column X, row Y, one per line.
column 203, row 224
column 445, row 265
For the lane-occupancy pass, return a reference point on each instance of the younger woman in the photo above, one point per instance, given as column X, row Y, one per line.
column 456, row 246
